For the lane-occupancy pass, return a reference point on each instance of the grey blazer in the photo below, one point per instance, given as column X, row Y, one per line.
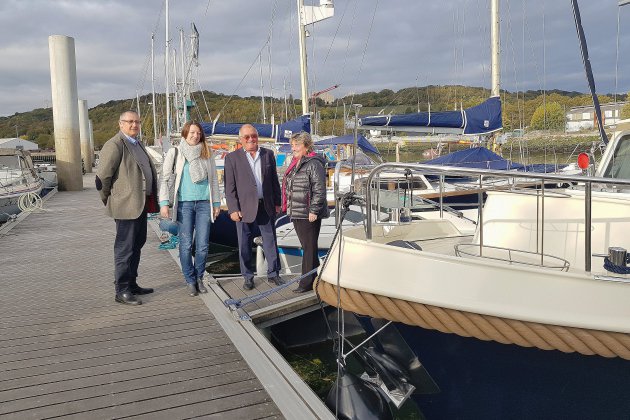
column 240, row 184
column 120, row 181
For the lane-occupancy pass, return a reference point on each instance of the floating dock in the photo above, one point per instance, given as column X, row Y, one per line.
column 68, row 350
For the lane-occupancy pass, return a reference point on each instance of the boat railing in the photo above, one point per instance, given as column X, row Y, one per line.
column 512, row 256
column 512, row 178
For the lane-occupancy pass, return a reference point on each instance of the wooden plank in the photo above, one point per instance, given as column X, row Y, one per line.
column 233, row 407
column 99, row 386
column 152, row 398
column 156, row 357
column 102, row 353
column 106, row 346
column 109, row 333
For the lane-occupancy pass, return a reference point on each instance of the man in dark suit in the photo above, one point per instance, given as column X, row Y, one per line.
column 127, row 184
column 252, row 192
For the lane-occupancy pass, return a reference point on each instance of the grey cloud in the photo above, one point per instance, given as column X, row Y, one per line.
column 411, row 42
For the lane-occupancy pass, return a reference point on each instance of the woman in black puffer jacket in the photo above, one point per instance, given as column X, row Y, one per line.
column 304, row 200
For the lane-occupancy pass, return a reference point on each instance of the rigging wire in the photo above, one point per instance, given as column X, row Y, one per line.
column 270, row 57
column 244, row 76
column 145, row 66
column 345, row 58
column 513, row 51
column 617, row 55
column 367, row 40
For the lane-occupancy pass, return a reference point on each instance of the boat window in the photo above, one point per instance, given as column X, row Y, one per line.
column 619, row 166
column 354, row 216
column 9, row 162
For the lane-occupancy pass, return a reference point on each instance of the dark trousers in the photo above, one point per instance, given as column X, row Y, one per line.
column 267, row 228
column 307, row 233
column 130, row 237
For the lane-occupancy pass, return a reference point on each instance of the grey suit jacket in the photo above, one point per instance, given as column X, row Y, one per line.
column 120, row 181
column 240, row 184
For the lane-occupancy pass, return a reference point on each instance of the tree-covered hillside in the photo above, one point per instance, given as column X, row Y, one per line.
column 518, row 110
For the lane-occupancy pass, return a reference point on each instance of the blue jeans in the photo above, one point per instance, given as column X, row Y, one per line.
column 194, row 217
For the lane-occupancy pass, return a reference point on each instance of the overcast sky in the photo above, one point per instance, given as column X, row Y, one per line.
column 368, row 45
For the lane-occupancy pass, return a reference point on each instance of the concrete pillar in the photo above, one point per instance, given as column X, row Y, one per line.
column 63, row 81
column 91, row 131
column 84, row 131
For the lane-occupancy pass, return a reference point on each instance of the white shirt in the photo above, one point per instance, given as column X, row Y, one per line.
column 254, row 163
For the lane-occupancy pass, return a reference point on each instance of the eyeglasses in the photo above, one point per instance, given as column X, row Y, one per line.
column 131, row 122
column 249, row 136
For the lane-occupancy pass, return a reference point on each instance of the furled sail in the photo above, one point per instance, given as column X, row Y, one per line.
column 281, row 133
column 481, row 119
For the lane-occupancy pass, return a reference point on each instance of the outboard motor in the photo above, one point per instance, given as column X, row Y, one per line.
column 354, row 399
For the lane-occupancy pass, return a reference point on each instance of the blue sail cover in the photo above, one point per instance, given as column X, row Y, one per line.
column 481, row 119
column 476, row 157
column 482, row 158
column 362, row 142
column 280, row 132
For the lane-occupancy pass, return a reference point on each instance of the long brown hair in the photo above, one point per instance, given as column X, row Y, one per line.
column 205, row 150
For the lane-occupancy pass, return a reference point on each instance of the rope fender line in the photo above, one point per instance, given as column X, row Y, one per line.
column 483, row 327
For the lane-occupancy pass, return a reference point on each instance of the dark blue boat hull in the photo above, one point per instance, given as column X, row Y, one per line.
column 489, row 380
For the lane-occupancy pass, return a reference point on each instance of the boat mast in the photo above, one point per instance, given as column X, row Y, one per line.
column 155, row 130
column 587, row 68
column 306, row 16
column 302, row 46
column 139, row 115
column 166, row 70
column 182, row 95
column 495, row 48
column 176, row 93
column 262, row 91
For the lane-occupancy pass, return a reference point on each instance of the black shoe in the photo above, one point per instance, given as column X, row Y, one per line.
column 200, row 287
column 137, row 290
column 277, row 280
column 248, row 285
column 301, row 290
column 127, row 298
column 192, row 289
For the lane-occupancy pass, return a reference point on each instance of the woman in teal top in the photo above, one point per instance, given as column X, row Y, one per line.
column 194, row 195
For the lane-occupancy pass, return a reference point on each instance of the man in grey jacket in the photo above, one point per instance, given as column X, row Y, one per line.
column 127, row 183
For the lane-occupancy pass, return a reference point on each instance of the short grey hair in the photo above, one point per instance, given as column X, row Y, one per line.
column 240, row 130
column 130, row 111
column 304, row 138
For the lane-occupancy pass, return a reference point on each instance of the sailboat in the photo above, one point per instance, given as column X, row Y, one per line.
column 18, row 179
column 527, row 316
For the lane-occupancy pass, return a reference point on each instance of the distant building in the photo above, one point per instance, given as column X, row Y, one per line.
column 583, row 117
column 327, row 97
column 16, row 143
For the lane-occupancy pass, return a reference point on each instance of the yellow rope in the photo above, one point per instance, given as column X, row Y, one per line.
column 483, row 327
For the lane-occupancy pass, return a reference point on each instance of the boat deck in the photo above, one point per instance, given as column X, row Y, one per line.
column 68, row 350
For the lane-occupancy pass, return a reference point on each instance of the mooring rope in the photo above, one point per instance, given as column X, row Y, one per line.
column 614, row 268
column 484, row 327
column 30, row 201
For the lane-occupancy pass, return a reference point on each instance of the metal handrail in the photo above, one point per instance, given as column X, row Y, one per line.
column 588, row 182
column 461, row 249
